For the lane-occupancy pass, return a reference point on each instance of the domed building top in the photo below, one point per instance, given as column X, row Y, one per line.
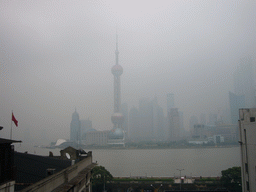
column 116, row 134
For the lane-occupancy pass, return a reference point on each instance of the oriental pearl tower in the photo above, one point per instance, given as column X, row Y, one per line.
column 117, row 118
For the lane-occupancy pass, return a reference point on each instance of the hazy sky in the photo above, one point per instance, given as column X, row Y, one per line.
column 57, row 55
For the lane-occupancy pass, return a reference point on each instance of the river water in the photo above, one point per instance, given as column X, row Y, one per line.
column 158, row 162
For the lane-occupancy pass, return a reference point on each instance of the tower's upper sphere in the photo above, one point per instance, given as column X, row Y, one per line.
column 117, row 70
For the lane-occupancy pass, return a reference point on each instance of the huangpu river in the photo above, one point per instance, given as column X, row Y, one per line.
column 157, row 162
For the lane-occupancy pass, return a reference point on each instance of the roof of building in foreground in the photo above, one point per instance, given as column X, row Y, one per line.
column 8, row 141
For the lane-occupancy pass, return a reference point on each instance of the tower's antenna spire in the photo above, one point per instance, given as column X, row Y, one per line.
column 117, row 52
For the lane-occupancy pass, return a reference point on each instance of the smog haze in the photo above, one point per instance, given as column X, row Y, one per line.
column 56, row 56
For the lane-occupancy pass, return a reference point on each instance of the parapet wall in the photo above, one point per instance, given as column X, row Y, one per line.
column 64, row 176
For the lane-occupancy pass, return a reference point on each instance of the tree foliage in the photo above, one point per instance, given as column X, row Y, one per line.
column 231, row 179
column 100, row 175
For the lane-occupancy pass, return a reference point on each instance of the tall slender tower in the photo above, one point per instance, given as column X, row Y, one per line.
column 117, row 70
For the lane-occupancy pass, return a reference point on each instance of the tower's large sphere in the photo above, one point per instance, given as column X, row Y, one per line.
column 117, row 118
column 117, row 70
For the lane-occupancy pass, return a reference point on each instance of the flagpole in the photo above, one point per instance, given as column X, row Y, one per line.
column 11, row 128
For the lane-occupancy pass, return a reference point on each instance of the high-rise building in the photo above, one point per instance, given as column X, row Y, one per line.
column 134, row 125
column 146, row 119
column 75, row 128
column 147, row 123
column 170, row 101
column 182, row 130
column 175, row 129
column 244, row 81
column 174, row 124
column 157, row 121
column 244, row 89
column 116, row 135
column 203, row 119
column 236, row 102
column 193, row 121
column 160, row 132
column 213, row 118
column 124, row 110
column 247, row 125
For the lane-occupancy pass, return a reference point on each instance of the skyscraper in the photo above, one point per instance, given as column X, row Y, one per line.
column 174, row 124
column 244, row 81
column 236, row 102
column 124, row 110
column 158, row 121
column 147, row 123
column 170, row 101
column 146, row 119
column 192, row 121
column 117, row 118
column 134, row 125
column 75, row 128
column 244, row 89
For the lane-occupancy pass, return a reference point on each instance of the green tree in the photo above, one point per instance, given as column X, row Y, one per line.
column 231, row 179
column 100, row 176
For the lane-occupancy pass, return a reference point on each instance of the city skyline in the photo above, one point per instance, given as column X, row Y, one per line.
column 53, row 60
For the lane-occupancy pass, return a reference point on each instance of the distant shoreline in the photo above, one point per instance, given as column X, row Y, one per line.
column 176, row 147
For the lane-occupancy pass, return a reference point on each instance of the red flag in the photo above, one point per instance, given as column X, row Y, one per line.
column 14, row 120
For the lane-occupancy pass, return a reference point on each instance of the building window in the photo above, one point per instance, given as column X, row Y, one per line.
column 246, row 167
column 50, row 171
column 252, row 119
column 247, row 186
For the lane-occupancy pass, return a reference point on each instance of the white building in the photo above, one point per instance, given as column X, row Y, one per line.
column 99, row 138
column 247, row 127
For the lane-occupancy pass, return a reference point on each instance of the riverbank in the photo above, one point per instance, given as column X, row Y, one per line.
column 160, row 147
column 164, row 183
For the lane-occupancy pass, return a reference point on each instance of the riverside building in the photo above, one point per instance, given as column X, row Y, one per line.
column 247, row 127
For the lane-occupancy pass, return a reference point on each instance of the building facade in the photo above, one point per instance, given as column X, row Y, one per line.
column 96, row 138
column 124, row 110
column 86, row 125
column 134, row 124
column 247, row 128
column 170, row 101
column 75, row 177
column 174, row 124
column 7, row 165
